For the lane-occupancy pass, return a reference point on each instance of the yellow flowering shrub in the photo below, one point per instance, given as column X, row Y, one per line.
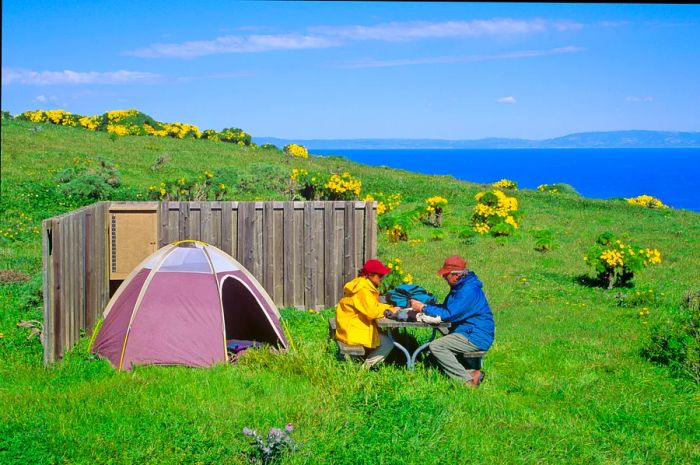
column 505, row 184
column 341, row 187
column 385, row 203
column 135, row 123
column 91, row 123
column 495, row 213
column 647, row 201
column 296, row 150
column 615, row 262
column 57, row 117
column 396, row 277
column 434, row 210
column 181, row 130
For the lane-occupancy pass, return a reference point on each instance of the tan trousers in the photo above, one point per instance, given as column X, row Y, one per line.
column 379, row 354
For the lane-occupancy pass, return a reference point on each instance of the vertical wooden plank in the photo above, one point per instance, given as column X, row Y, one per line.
column 339, row 214
column 56, row 310
column 75, row 278
column 267, row 262
column 102, row 230
column 66, row 282
column 298, row 247
column 242, row 238
column 309, row 257
column 288, row 254
column 234, row 229
column 194, row 220
column 258, row 240
column 184, row 221
column 216, row 225
column 163, row 229
column 320, row 264
column 329, row 254
column 278, row 253
column 173, row 222
column 82, row 275
column 47, row 284
column 90, row 271
column 227, row 226
column 206, row 232
column 349, row 257
column 370, row 232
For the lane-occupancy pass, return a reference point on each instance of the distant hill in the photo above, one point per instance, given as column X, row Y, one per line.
column 582, row 140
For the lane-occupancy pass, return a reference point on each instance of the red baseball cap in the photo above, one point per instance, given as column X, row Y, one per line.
column 453, row 263
column 375, row 266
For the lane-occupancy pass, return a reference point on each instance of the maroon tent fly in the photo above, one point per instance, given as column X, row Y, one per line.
column 181, row 306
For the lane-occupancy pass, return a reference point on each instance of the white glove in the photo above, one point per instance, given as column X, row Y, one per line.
column 431, row 320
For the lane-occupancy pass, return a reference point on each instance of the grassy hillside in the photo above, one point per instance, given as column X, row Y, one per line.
column 565, row 383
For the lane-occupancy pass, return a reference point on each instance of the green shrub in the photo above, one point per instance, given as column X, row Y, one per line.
column 160, row 162
column 640, row 298
column 269, row 147
column 397, row 225
column 181, row 189
column 675, row 341
column 6, row 115
column 88, row 180
column 544, row 240
column 210, row 134
column 559, row 188
column 235, row 136
column 267, row 177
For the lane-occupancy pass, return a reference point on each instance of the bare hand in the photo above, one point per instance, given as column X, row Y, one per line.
column 417, row 305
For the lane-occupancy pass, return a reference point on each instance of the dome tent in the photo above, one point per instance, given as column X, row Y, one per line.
column 181, row 306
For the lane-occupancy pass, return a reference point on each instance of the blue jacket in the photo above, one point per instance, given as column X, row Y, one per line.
column 468, row 311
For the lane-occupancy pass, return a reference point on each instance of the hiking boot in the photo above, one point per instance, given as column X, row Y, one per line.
column 477, row 377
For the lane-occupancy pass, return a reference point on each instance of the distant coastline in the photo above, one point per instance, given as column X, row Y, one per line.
column 582, row 140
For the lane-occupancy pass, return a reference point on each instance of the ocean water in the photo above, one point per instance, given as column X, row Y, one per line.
column 671, row 175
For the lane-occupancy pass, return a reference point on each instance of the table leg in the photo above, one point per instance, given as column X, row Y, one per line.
column 402, row 349
column 421, row 348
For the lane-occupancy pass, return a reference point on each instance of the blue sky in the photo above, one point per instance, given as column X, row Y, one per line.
column 360, row 69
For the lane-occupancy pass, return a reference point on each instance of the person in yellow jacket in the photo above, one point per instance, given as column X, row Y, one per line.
column 357, row 310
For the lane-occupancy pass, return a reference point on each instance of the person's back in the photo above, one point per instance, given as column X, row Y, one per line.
column 467, row 309
column 357, row 310
column 473, row 316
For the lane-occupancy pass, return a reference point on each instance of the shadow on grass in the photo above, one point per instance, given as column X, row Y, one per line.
column 585, row 280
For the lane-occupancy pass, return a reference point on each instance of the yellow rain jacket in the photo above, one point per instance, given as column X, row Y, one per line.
column 356, row 311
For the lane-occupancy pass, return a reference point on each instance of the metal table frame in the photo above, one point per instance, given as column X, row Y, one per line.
column 386, row 323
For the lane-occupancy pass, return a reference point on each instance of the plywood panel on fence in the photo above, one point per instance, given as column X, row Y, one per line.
column 133, row 237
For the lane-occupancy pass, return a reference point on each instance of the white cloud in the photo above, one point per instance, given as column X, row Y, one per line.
column 233, row 44
column 398, row 31
column 43, row 98
column 229, row 75
column 639, row 99
column 509, row 99
column 41, row 78
column 332, row 36
column 461, row 58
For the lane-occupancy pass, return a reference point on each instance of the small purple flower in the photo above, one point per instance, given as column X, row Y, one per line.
column 248, row 432
column 289, row 427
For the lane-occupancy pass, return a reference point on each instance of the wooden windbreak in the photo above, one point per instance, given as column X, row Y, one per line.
column 76, row 278
column 301, row 252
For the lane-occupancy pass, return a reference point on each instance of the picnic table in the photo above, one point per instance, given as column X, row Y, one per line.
column 388, row 324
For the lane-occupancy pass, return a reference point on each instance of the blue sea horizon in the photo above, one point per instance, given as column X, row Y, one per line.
column 671, row 175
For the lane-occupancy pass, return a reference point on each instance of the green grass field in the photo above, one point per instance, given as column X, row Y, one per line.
column 566, row 382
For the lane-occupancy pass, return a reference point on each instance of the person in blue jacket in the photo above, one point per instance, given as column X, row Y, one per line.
column 472, row 327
